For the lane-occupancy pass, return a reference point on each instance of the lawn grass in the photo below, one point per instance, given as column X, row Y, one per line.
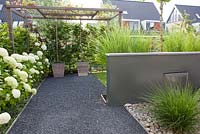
column 102, row 77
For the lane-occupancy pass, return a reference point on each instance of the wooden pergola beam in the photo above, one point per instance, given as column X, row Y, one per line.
column 63, row 8
column 61, row 18
column 41, row 13
column 65, row 14
column 95, row 14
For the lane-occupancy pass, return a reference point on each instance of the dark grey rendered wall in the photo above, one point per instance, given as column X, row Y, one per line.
column 130, row 76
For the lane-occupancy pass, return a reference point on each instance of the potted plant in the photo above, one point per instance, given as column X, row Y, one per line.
column 83, row 66
column 58, row 67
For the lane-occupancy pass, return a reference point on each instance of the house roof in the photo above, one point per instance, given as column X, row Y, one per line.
column 3, row 14
column 137, row 10
column 193, row 11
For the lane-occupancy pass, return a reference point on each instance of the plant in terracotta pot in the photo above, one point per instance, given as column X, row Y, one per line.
column 83, row 66
column 58, row 67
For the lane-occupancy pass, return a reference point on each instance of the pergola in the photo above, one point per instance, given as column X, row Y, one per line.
column 60, row 13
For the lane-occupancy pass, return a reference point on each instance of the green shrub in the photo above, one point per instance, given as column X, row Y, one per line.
column 175, row 107
column 74, row 42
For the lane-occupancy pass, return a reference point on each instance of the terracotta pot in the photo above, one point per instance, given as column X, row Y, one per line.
column 58, row 69
column 83, row 68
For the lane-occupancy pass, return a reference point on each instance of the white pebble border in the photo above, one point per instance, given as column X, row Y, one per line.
column 142, row 114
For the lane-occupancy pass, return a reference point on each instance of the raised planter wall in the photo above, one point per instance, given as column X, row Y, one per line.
column 131, row 76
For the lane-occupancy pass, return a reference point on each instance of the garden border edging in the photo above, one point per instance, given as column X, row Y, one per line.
column 15, row 120
column 135, row 119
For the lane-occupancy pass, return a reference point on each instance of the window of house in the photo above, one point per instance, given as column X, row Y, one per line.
column 132, row 25
column 198, row 16
column 1, row 6
column 15, row 23
column 125, row 12
column 175, row 16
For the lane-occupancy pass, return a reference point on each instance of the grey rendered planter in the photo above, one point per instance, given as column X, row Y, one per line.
column 83, row 68
column 58, row 69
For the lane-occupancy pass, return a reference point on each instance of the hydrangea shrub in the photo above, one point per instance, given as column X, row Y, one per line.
column 19, row 73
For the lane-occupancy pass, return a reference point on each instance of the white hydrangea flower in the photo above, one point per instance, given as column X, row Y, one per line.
column 32, row 70
column 31, row 54
column 3, row 52
column 16, row 93
column 1, row 89
column 37, row 72
column 16, row 71
column 39, row 63
column 36, row 57
column 19, row 65
column 17, row 57
column 10, row 60
column 39, row 53
column 27, row 87
column 11, row 81
column 4, row 118
column 25, row 54
column 23, row 75
column 42, row 72
column 25, row 58
column 47, row 61
column 44, row 47
column 31, row 59
column 30, row 76
column 34, row 91
column 37, row 44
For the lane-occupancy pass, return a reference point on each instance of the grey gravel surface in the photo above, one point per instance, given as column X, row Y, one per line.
column 72, row 105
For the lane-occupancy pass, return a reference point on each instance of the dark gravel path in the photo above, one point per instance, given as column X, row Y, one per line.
column 72, row 105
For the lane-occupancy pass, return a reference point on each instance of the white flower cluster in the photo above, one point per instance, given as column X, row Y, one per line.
column 22, row 75
column 11, row 81
column 34, row 71
column 16, row 93
column 43, row 47
column 21, row 72
column 4, row 118
column 3, row 52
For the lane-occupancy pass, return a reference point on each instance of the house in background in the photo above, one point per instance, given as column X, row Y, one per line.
column 177, row 13
column 139, row 15
column 3, row 14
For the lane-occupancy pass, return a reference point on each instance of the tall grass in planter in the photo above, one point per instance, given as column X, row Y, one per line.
column 181, row 42
column 175, row 108
column 119, row 40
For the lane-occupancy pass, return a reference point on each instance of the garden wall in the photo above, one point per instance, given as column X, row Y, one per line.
column 131, row 76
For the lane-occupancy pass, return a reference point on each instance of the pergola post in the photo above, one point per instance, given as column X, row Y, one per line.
column 120, row 19
column 10, row 26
